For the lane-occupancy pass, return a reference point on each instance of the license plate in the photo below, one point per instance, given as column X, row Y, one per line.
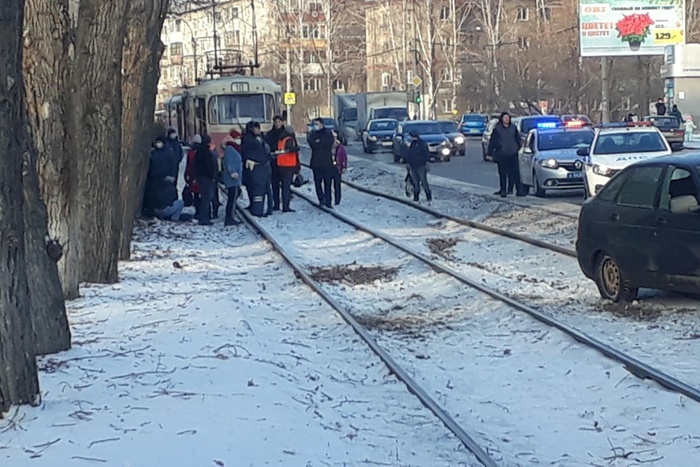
column 387, row 143
column 433, row 149
column 574, row 175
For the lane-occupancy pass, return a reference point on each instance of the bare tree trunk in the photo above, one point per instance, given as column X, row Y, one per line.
column 48, row 309
column 47, row 63
column 19, row 383
column 139, row 88
column 98, row 106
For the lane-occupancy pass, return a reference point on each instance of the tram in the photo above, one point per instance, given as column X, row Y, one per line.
column 217, row 106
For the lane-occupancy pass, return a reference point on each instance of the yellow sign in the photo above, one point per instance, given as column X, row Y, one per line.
column 416, row 81
column 668, row 36
column 290, row 98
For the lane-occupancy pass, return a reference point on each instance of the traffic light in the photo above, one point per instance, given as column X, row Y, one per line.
column 419, row 99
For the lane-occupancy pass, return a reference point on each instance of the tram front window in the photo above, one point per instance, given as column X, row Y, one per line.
column 230, row 109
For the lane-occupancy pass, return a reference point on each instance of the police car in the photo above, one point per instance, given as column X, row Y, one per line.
column 616, row 146
column 548, row 159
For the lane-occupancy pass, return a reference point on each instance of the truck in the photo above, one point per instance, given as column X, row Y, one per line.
column 345, row 114
column 374, row 105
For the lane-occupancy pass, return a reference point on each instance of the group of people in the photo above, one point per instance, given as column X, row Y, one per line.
column 688, row 123
column 267, row 165
column 161, row 197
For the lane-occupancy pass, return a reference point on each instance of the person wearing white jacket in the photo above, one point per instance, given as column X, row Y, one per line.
column 689, row 128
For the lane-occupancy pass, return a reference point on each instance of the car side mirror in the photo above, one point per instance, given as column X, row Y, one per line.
column 527, row 150
column 583, row 152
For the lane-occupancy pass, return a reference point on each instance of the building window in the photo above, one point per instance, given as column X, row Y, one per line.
column 312, row 84
column 233, row 38
column 447, row 75
column 314, row 112
column 523, row 13
column 386, row 79
column 315, row 6
column 338, row 85
column 523, row 43
column 312, row 32
column 178, row 25
column 176, row 49
column 545, row 13
column 444, row 13
column 234, row 12
column 447, row 106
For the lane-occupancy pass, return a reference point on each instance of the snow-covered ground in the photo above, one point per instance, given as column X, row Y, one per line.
column 662, row 329
column 210, row 352
column 531, row 394
column 554, row 222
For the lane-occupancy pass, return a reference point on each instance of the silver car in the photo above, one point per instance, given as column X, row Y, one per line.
column 548, row 159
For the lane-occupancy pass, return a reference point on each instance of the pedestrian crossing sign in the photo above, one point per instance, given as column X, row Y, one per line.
column 290, row 98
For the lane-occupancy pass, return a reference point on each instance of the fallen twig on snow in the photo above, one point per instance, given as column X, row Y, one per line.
column 102, row 441
column 93, row 459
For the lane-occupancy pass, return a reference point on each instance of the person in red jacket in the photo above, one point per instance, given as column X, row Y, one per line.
column 189, row 173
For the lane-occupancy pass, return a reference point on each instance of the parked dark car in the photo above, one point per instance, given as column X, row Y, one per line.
column 430, row 132
column 486, row 137
column 643, row 229
column 459, row 144
column 379, row 135
column 473, row 124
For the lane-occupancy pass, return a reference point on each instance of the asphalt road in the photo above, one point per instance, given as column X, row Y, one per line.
column 470, row 168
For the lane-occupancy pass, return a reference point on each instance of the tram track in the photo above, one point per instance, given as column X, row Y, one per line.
column 416, row 389
column 632, row 365
column 483, row 226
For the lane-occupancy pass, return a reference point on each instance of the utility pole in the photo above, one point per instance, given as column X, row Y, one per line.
column 605, row 89
column 416, row 55
column 288, row 59
column 216, row 38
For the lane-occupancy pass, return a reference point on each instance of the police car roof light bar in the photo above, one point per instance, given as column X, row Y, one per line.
column 544, row 125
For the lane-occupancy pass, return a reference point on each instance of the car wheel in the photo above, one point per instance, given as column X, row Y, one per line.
column 539, row 191
column 611, row 282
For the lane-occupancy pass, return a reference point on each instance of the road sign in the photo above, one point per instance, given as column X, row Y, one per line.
column 416, row 81
column 290, row 98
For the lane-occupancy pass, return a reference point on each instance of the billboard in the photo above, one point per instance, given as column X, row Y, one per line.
column 616, row 28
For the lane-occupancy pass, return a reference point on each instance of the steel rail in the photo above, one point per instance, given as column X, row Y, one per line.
column 634, row 366
column 400, row 373
column 466, row 222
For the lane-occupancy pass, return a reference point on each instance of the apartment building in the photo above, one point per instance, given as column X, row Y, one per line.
column 202, row 40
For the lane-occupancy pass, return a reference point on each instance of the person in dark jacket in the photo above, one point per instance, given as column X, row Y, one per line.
column 204, row 170
column 417, row 158
column 172, row 143
column 162, row 194
column 660, row 107
column 676, row 113
column 503, row 149
column 257, row 169
column 321, row 141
